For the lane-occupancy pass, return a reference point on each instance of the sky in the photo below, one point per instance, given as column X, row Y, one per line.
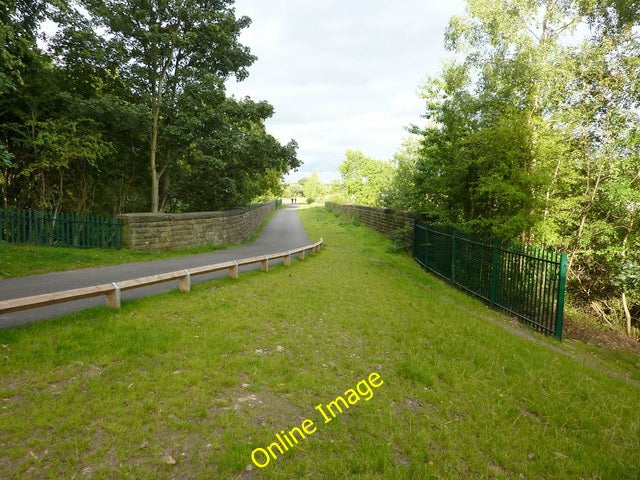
column 342, row 75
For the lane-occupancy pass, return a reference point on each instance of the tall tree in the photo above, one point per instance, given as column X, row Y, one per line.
column 533, row 136
column 312, row 187
column 19, row 20
column 163, row 46
column 226, row 157
column 365, row 179
column 402, row 193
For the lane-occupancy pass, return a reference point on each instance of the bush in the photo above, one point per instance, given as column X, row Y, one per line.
column 401, row 239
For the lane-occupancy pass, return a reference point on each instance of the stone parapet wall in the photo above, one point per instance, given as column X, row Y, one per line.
column 169, row 231
column 382, row 220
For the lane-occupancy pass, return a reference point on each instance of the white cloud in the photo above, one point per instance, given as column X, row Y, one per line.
column 342, row 74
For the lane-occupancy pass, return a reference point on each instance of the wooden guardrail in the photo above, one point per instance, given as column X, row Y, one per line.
column 113, row 290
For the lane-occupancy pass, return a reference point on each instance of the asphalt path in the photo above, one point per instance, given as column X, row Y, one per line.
column 284, row 232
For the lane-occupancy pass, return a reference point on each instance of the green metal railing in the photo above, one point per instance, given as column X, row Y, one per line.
column 524, row 281
column 59, row 229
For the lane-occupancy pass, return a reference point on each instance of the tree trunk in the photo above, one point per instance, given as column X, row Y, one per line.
column 627, row 314
column 625, row 241
column 154, row 172
column 156, row 105
column 5, row 188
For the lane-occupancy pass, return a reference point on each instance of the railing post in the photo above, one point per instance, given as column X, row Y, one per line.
column 420, row 235
column 425, row 253
column 415, row 241
column 120, row 229
column 561, row 286
column 185, row 282
column 287, row 260
column 113, row 297
column 233, row 271
column 495, row 273
column 454, row 254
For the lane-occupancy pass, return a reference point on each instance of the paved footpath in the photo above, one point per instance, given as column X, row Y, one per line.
column 284, row 232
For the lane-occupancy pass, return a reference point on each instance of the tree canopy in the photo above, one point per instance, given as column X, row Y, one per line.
column 125, row 109
column 364, row 179
column 533, row 135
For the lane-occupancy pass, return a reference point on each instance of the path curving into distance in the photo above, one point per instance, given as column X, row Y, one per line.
column 283, row 232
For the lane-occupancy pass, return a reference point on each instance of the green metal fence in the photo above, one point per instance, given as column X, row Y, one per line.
column 59, row 229
column 524, row 281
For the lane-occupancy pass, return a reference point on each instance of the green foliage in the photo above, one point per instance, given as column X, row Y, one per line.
column 532, row 133
column 365, row 179
column 312, row 187
column 401, row 192
column 401, row 239
column 128, row 104
column 629, row 276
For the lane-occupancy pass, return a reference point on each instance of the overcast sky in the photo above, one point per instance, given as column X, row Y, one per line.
column 342, row 75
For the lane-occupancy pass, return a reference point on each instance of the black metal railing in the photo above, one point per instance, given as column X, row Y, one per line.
column 524, row 281
column 59, row 229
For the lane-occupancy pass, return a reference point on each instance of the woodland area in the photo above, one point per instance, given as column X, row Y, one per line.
column 533, row 136
column 123, row 108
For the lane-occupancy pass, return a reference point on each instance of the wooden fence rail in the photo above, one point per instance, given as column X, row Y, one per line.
column 112, row 290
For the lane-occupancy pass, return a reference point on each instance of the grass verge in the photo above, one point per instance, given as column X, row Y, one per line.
column 23, row 260
column 188, row 385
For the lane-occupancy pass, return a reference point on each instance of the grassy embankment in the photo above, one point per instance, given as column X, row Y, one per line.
column 188, row 385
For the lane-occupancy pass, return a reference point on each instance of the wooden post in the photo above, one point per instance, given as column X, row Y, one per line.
column 287, row 260
column 113, row 297
column 233, row 271
column 301, row 255
column 185, row 282
column 264, row 264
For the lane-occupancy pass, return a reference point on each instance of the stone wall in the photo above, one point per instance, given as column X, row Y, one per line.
column 383, row 220
column 168, row 231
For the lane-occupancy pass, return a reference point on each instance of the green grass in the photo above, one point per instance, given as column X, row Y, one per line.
column 187, row 385
column 23, row 260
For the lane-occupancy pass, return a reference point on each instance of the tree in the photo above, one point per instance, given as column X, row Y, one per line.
column 533, row 136
column 598, row 209
column 19, row 54
column 161, row 48
column 226, row 157
column 312, row 187
column 401, row 193
column 293, row 190
column 160, row 66
column 365, row 179
column 19, row 20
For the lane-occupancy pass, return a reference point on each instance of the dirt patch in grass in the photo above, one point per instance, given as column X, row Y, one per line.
column 592, row 335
